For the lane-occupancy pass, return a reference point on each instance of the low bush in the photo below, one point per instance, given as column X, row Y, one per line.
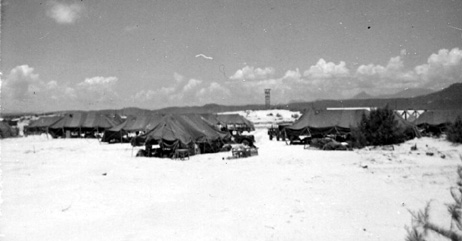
column 454, row 132
column 421, row 225
column 378, row 128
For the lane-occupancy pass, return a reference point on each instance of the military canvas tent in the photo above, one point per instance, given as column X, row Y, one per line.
column 438, row 117
column 182, row 132
column 235, row 121
column 437, row 121
column 211, row 119
column 210, row 131
column 95, row 120
column 42, row 124
column 6, row 130
column 132, row 124
column 325, row 122
column 69, row 125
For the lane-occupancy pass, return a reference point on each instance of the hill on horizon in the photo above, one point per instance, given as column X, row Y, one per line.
column 406, row 93
column 448, row 98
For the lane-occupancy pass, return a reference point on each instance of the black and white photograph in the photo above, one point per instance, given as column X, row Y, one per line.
column 230, row 120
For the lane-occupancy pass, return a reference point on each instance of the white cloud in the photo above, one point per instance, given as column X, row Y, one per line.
column 191, row 84
column 52, row 84
column 98, row 81
column 70, row 92
column 23, row 86
column 442, row 69
column 154, row 95
column 22, row 82
column 324, row 69
column 292, row 74
column 178, row 77
column 178, row 93
column 214, row 93
column 394, row 67
column 251, row 73
column 23, row 90
column 64, row 13
column 97, row 91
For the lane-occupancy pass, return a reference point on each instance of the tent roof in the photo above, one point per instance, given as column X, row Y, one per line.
column 184, row 128
column 328, row 119
column 44, row 121
column 98, row 120
column 70, row 120
column 138, row 123
column 438, row 117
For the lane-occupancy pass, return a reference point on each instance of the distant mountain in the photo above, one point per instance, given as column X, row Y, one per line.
column 362, row 95
column 408, row 93
column 448, row 98
column 209, row 108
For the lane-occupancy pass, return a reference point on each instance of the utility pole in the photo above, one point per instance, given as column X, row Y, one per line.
column 267, row 98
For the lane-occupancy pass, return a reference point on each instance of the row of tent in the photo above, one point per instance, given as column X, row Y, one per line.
column 114, row 127
column 73, row 124
column 196, row 133
column 317, row 122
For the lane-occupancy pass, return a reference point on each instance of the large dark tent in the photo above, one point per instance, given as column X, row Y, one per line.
column 95, row 121
column 42, row 124
column 183, row 132
column 338, row 122
column 436, row 121
column 69, row 126
column 133, row 124
column 326, row 122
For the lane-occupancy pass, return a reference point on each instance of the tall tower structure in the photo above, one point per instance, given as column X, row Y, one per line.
column 267, row 98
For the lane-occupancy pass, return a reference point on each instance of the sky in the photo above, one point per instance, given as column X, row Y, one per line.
column 99, row 54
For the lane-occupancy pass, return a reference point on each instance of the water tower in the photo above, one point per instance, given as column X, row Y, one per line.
column 267, row 98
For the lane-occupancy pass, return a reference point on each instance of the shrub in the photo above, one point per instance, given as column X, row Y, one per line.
column 358, row 139
column 421, row 224
column 454, row 133
column 380, row 128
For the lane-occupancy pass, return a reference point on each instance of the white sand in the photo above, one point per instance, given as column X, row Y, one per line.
column 55, row 189
column 265, row 118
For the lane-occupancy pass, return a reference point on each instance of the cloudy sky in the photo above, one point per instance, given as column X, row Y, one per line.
column 90, row 54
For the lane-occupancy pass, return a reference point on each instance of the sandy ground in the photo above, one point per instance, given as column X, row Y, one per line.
column 79, row 189
column 268, row 117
